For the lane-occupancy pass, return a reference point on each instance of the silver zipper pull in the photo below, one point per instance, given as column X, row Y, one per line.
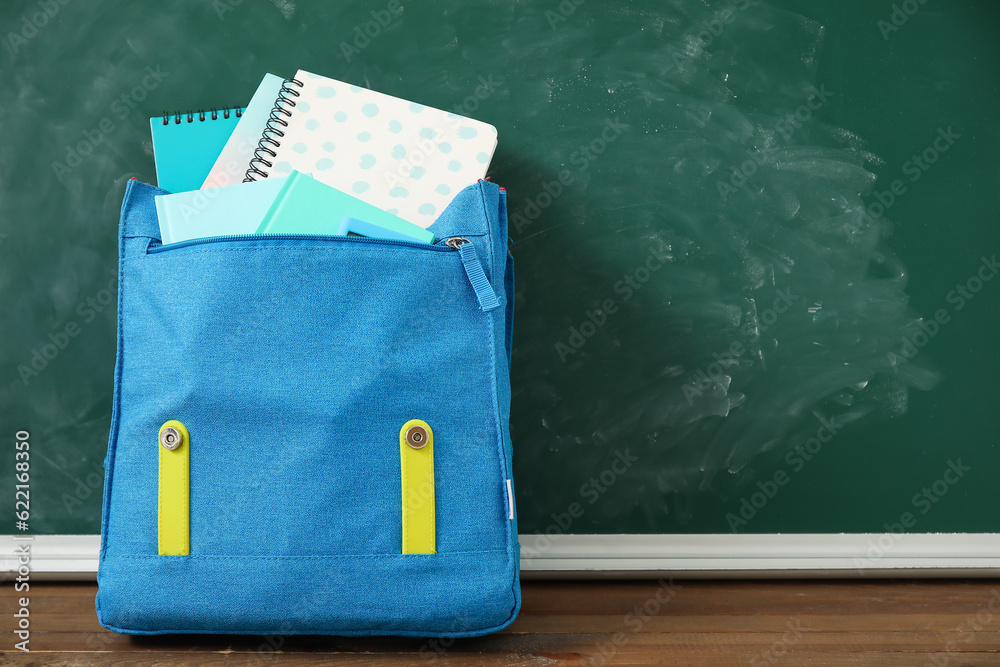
column 456, row 241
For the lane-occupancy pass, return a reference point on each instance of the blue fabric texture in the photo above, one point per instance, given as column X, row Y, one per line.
column 293, row 363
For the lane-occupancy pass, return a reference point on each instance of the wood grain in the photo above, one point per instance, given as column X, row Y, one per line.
column 911, row 623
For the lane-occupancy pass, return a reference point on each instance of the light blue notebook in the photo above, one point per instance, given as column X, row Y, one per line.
column 230, row 209
column 186, row 147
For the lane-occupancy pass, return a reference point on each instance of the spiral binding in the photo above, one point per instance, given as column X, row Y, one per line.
column 272, row 131
column 179, row 117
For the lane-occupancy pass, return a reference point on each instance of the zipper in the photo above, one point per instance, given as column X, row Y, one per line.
column 442, row 246
column 485, row 293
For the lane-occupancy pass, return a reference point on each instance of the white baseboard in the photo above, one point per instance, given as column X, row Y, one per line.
column 61, row 557
column 69, row 557
column 763, row 556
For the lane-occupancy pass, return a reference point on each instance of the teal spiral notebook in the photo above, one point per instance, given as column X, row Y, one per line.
column 186, row 145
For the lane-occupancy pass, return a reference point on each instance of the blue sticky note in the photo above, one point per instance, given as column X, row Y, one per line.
column 406, row 231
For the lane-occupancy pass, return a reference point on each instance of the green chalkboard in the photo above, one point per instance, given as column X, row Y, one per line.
column 755, row 241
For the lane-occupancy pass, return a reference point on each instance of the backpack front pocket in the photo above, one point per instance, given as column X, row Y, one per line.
column 294, row 363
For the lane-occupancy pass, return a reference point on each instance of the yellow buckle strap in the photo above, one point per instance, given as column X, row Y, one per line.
column 173, row 515
column 416, row 462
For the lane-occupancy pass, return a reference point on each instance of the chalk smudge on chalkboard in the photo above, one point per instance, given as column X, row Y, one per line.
column 286, row 7
column 782, row 305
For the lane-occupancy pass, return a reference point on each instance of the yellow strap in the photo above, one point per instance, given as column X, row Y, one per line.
column 417, row 467
column 174, row 503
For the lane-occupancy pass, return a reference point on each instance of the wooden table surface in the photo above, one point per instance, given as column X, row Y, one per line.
column 757, row 623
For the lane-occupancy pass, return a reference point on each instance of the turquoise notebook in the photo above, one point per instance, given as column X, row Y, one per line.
column 306, row 206
column 186, row 145
column 230, row 209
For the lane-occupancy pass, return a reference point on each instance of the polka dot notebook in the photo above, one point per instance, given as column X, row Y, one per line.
column 405, row 158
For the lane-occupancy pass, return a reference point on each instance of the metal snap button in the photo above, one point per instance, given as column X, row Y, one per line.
column 170, row 438
column 416, row 437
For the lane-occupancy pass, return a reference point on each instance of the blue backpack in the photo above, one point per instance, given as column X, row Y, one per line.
column 310, row 433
